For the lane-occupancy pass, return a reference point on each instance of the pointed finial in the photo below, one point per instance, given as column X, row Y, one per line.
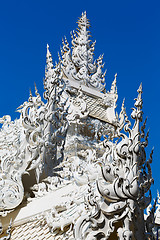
column 139, row 101
column 114, row 86
column 140, row 92
column 48, row 55
column 48, row 52
column 48, row 59
column 140, row 88
column 30, row 93
column 36, row 90
column 122, row 107
column 122, row 116
column 30, row 96
column 59, row 57
column 83, row 21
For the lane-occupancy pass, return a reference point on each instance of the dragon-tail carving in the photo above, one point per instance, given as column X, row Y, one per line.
column 126, row 178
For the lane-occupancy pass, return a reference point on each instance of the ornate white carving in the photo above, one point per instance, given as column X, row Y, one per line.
column 126, row 178
column 34, row 141
column 60, row 140
column 32, row 122
column 75, row 181
column 78, row 64
column 11, row 193
column 77, row 108
column 55, row 122
column 21, row 143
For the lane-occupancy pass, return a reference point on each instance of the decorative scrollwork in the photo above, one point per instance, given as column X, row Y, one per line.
column 78, row 64
column 35, row 141
column 126, row 178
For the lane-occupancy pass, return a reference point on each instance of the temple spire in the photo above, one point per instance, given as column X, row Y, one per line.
column 48, row 72
column 83, row 21
column 49, row 62
column 137, row 112
column 83, row 49
column 49, row 59
column 79, row 64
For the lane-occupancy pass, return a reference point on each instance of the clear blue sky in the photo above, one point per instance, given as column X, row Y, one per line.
column 127, row 32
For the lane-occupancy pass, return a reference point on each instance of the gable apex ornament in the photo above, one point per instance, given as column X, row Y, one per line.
column 78, row 63
column 70, row 168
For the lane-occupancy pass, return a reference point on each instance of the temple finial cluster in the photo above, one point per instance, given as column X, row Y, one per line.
column 61, row 142
column 128, row 178
column 83, row 21
column 78, row 64
column 49, row 62
column 114, row 85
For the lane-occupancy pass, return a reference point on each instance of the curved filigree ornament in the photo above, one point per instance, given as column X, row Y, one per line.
column 77, row 108
column 32, row 113
column 126, row 178
column 55, row 121
column 11, row 188
column 33, row 141
column 36, row 142
column 21, row 143
column 78, row 64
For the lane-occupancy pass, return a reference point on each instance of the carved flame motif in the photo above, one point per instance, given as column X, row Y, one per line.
column 35, row 141
column 114, row 204
column 126, row 177
column 11, row 189
column 78, row 108
column 78, row 64
column 32, row 122
column 20, row 151
column 55, row 121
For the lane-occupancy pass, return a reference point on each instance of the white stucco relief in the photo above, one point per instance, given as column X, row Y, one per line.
column 91, row 176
